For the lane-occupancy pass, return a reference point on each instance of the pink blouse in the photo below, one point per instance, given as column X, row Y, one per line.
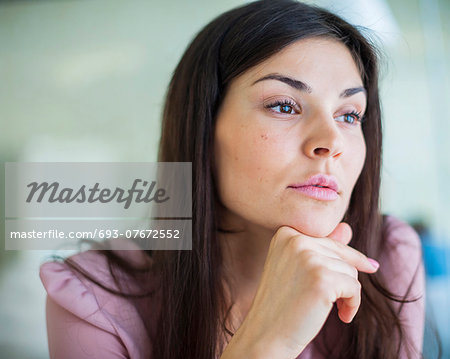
column 86, row 321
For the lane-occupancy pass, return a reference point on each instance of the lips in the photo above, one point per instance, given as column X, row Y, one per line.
column 320, row 181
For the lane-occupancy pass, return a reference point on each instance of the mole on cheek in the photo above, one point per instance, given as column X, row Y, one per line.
column 264, row 136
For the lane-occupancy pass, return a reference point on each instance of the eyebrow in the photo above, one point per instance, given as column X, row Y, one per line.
column 297, row 84
column 353, row 91
column 300, row 85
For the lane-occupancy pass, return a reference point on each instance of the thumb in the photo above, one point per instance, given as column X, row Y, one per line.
column 342, row 233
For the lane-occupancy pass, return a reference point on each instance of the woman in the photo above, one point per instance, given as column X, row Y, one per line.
column 276, row 105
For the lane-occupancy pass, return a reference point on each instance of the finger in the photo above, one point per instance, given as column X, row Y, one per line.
column 328, row 257
column 332, row 260
column 340, row 266
column 348, row 297
column 348, row 254
column 286, row 232
column 345, row 313
column 342, row 233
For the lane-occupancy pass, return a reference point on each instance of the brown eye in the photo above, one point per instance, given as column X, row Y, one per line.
column 352, row 118
column 284, row 107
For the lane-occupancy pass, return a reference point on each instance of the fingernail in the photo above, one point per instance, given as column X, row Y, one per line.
column 374, row 263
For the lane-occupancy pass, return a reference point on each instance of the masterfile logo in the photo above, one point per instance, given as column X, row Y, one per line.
column 94, row 194
column 150, row 202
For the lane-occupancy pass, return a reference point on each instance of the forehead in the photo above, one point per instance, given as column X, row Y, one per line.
column 314, row 60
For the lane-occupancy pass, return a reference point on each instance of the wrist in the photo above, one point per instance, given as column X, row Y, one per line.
column 247, row 344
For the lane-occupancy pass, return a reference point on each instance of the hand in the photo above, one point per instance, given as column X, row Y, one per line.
column 303, row 276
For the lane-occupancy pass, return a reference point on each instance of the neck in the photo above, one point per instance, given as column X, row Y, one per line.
column 244, row 253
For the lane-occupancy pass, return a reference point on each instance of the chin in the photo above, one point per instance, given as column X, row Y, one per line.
column 315, row 226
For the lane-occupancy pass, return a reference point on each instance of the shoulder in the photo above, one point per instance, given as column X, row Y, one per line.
column 401, row 250
column 59, row 279
column 74, row 299
column 398, row 232
column 401, row 263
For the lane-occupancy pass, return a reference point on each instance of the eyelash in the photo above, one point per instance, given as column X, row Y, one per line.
column 282, row 103
column 356, row 115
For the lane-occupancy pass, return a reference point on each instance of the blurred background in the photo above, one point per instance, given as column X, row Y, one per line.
column 85, row 81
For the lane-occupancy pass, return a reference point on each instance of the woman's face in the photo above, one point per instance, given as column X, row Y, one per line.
column 293, row 116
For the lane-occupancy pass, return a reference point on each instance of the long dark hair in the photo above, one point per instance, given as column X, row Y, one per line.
column 193, row 312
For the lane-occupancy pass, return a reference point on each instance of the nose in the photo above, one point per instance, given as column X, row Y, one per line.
column 323, row 138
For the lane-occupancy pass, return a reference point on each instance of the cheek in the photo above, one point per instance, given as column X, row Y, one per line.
column 246, row 158
column 361, row 154
column 356, row 158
